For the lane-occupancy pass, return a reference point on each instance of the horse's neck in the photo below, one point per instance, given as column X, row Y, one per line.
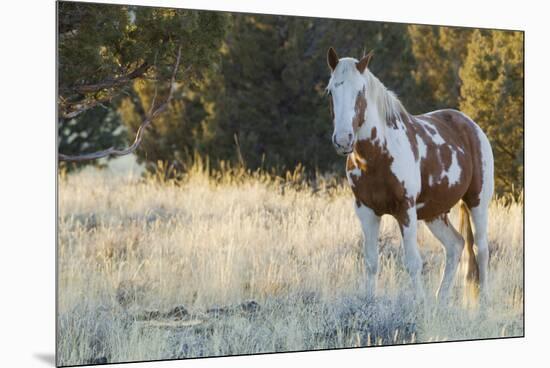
column 380, row 128
column 373, row 122
column 377, row 131
column 376, row 118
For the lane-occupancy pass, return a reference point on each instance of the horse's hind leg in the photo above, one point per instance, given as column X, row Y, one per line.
column 480, row 216
column 453, row 243
column 478, row 201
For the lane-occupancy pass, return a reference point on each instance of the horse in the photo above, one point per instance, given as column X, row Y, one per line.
column 412, row 167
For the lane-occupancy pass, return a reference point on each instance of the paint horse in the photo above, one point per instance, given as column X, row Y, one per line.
column 412, row 167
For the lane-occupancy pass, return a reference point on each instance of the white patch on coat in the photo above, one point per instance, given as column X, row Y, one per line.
column 422, row 148
column 487, row 167
column 436, row 137
column 487, row 164
column 420, row 205
column 355, row 172
column 454, row 171
column 350, row 180
column 404, row 165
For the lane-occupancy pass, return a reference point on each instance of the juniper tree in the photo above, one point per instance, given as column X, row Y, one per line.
column 492, row 94
column 104, row 51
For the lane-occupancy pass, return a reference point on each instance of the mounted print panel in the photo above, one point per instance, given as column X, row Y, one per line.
column 234, row 184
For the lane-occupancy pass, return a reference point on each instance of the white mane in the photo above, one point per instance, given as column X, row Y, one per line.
column 387, row 103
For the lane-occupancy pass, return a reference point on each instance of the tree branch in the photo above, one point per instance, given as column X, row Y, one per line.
column 145, row 123
column 114, row 82
column 72, row 110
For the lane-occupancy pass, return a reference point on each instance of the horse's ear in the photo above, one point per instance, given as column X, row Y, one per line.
column 364, row 62
column 332, row 58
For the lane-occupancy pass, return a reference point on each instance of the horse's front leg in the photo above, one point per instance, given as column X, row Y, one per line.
column 370, row 224
column 413, row 261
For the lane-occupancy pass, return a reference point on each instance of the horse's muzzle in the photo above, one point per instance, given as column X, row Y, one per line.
column 343, row 150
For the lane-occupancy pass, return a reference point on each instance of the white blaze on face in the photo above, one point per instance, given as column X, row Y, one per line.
column 345, row 84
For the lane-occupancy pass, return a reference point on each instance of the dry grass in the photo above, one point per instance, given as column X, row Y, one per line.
column 132, row 249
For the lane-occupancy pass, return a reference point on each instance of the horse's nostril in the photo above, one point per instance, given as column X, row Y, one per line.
column 350, row 137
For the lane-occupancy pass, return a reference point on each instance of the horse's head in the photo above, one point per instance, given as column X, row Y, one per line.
column 347, row 97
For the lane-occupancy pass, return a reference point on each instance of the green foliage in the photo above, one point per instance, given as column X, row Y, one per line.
column 180, row 131
column 251, row 88
column 271, row 89
column 439, row 53
column 104, row 49
column 492, row 94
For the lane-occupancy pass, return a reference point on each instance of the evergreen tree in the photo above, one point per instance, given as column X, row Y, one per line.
column 438, row 53
column 180, row 131
column 104, row 49
column 251, row 88
column 272, row 86
column 492, row 94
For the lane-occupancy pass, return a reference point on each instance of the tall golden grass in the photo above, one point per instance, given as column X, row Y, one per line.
column 132, row 248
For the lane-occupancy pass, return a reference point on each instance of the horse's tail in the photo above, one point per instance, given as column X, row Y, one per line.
column 469, row 262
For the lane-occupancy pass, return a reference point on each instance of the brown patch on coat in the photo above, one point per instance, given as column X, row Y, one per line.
column 406, row 121
column 392, row 122
column 446, row 156
column 360, row 108
column 373, row 133
column 377, row 187
column 460, row 136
